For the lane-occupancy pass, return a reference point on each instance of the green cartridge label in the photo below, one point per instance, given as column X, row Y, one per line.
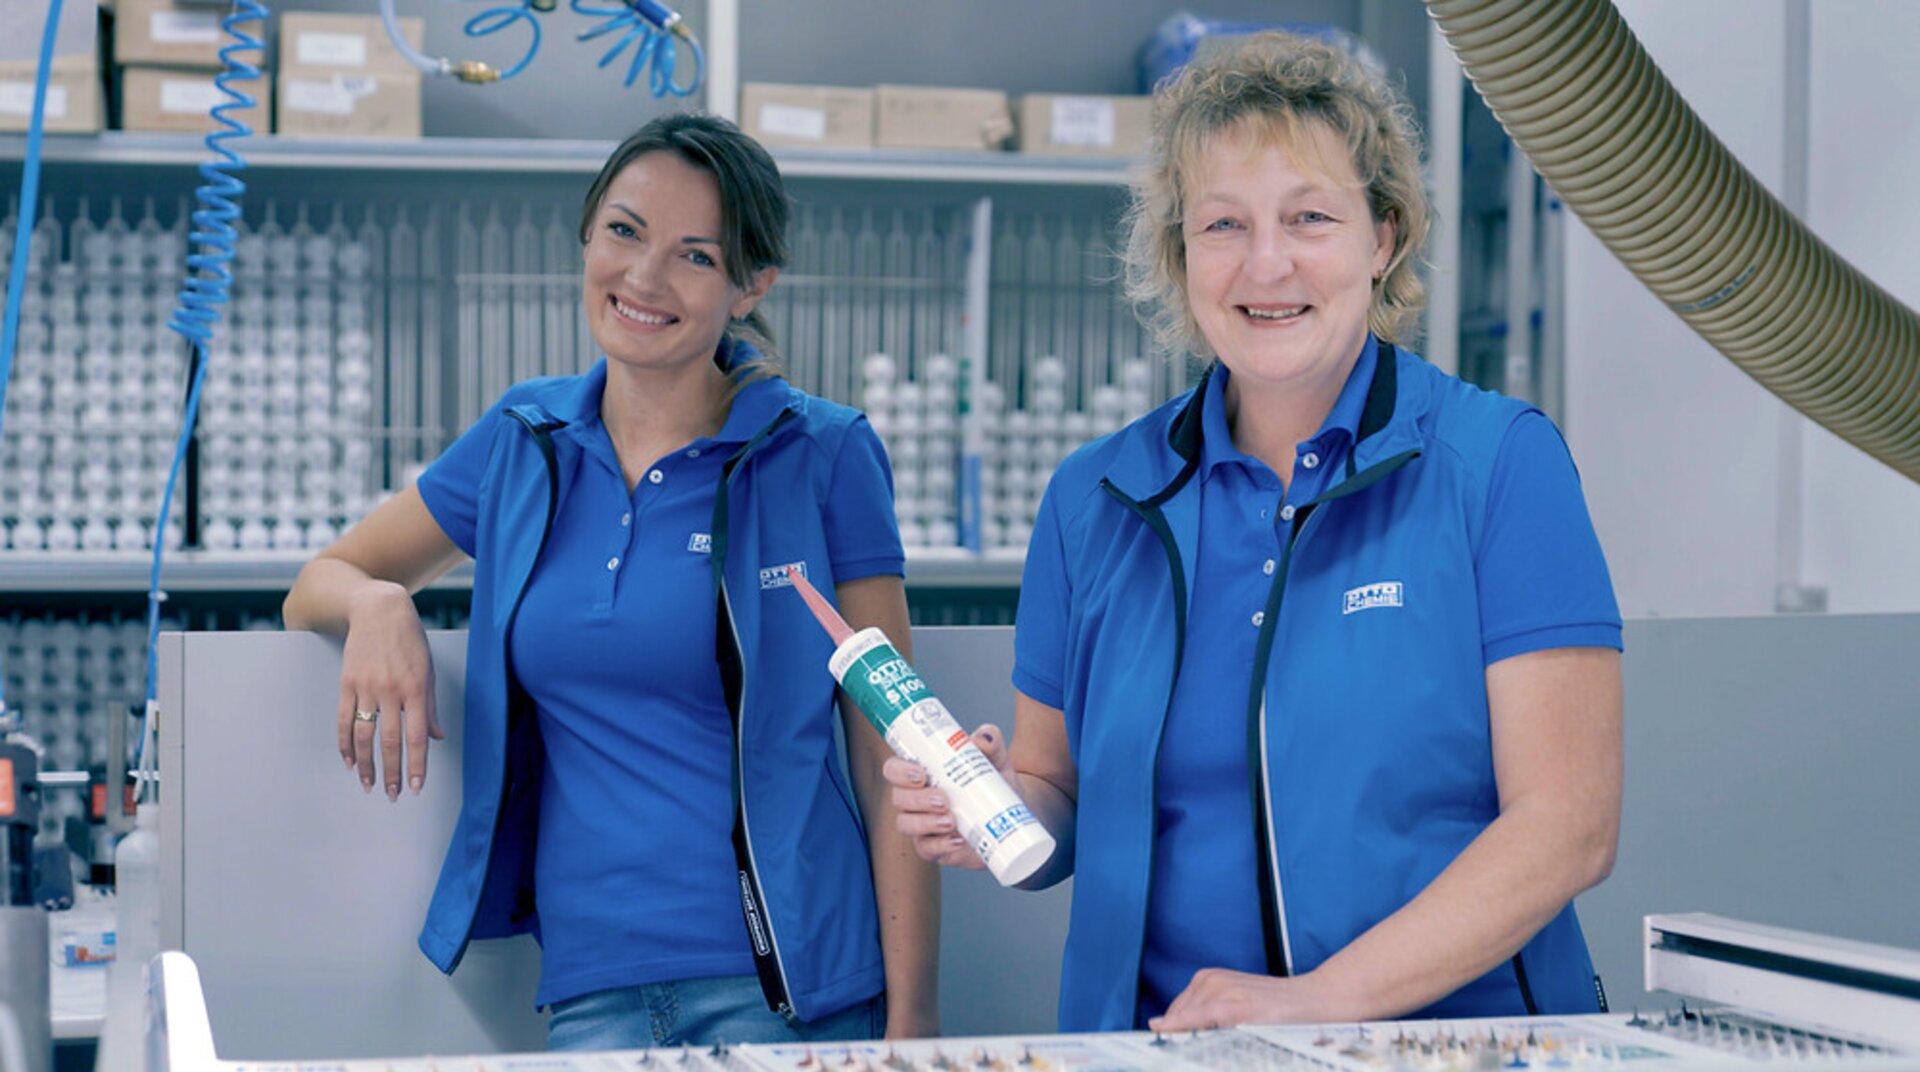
column 882, row 684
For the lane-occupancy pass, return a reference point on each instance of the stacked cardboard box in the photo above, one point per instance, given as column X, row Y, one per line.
column 936, row 117
column 1084, row 126
column 74, row 100
column 341, row 77
column 932, row 117
column 826, row 117
column 169, row 53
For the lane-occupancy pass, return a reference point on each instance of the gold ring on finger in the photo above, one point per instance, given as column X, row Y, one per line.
column 366, row 716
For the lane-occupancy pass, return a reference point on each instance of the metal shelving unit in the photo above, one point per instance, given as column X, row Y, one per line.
column 557, row 157
column 30, row 572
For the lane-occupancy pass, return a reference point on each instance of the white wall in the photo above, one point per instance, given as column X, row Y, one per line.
column 1678, row 449
column 1864, row 142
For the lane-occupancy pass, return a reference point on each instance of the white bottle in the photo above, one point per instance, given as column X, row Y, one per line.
column 986, row 811
column 136, row 870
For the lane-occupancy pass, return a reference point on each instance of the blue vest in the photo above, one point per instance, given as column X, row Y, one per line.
column 1372, row 732
column 806, row 889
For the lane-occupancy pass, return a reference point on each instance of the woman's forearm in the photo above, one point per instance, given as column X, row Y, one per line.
column 328, row 592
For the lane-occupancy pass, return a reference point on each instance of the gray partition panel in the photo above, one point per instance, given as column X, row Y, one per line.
column 301, row 896
column 999, row 948
column 1771, row 776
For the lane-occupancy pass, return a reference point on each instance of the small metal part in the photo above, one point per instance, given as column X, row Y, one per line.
column 474, row 72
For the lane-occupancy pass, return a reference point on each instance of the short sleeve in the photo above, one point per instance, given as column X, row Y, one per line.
column 1040, row 624
column 1543, row 580
column 863, row 535
column 451, row 485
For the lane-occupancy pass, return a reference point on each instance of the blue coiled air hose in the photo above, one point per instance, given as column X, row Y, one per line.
column 203, row 293
column 651, row 28
column 648, row 25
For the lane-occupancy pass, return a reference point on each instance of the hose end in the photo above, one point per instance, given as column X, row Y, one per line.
column 475, row 72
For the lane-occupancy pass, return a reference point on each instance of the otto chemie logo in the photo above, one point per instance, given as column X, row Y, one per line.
column 781, row 576
column 1369, row 596
column 896, row 680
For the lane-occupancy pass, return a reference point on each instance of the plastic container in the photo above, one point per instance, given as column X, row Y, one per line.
column 136, row 869
column 917, row 726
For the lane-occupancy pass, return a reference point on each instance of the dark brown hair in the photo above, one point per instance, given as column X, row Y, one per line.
column 753, row 208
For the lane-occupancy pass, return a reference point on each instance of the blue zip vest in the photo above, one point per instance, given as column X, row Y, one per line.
column 1371, row 735
column 805, row 883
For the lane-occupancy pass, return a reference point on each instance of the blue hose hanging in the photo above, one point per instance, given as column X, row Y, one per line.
column 202, row 294
column 648, row 25
column 651, row 28
column 23, row 236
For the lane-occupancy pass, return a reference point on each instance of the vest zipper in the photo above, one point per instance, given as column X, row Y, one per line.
column 762, row 936
column 1150, row 514
column 1273, row 904
column 542, row 437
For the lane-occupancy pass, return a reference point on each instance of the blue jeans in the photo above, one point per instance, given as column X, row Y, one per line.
column 697, row 1012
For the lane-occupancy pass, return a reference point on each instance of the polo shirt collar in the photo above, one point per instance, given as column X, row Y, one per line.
column 577, row 400
column 1342, row 422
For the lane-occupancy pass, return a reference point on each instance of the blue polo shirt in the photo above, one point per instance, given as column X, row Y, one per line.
column 614, row 643
column 1203, row 906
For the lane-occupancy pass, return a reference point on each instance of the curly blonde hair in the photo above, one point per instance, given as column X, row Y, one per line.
column 1279, row 88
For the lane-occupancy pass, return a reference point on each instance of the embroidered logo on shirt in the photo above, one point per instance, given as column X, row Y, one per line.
column 700, row 543
column 781, row 576
column 1369, row 596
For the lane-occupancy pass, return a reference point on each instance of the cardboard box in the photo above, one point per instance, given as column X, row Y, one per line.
column 331, row 104
column 1084, row 126
column 836, row 117
column 928, row 117
column 347, row 44
column 75, row 103
column 170, row 99
column 341, row 77
column 173, row 33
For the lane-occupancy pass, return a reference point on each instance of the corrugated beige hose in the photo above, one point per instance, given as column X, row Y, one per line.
column 1612, row 137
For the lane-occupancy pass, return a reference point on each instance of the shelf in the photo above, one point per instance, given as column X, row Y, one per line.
column 273, row 571
column 184, row 571
column 549, row 156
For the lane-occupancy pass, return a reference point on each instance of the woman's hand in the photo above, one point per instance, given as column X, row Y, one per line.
column 360, row 589
column 1218, row 997
column 386, row 689
column 924, row 816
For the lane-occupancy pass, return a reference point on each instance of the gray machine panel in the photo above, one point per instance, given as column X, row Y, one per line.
column 1770, row 776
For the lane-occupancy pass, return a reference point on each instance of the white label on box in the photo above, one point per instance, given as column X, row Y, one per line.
column 185, row 27
column 16, row 98
column 325, row 98
column 188, row 96
column 792, row 121
column 331, row 49
column 1086, row 122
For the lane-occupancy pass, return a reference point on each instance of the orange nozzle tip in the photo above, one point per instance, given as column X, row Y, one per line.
column 837, row 628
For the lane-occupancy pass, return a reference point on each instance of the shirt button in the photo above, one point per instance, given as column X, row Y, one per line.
column 694, row 453
column 1286, row 513
column 626, row 519
column 1309, row 460
column 656, row 477
column 613, row 563
column 1259, row 618
column 1267, row 567
column 1263, row 513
